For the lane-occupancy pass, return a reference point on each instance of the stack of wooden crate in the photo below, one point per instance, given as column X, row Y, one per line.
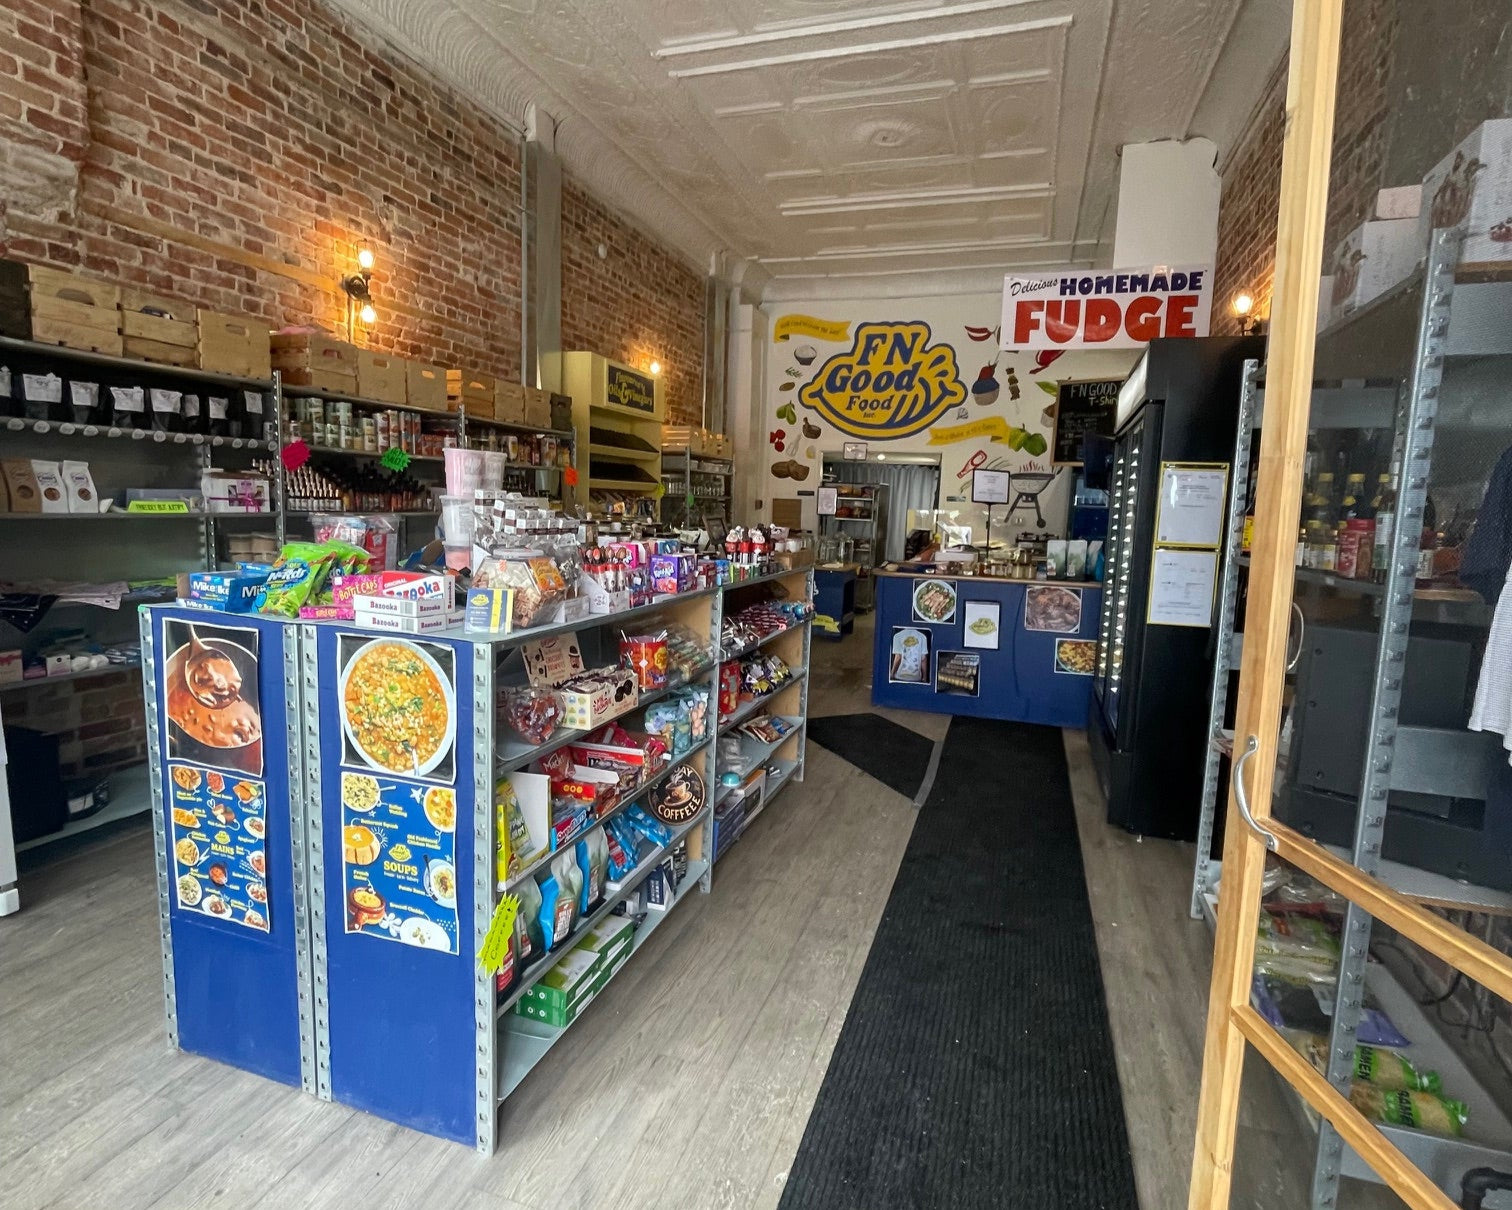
column 308, row 359
column 159, row 329
column 699, row 442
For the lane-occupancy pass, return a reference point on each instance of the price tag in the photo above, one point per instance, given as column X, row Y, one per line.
column 158, row 506
column 500, row 931
column 395, row 459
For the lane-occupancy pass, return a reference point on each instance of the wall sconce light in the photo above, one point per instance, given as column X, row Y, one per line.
column 655, row 367
column 1243, row 306
column 357, row 287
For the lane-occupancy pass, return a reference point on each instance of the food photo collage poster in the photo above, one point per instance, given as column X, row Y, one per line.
column 397, row 704
column 217, row 800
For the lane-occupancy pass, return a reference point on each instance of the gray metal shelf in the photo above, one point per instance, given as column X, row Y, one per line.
column 131, row 364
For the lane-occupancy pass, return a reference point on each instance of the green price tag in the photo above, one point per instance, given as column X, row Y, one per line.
column 158, row 506
column 395, row 459
column 658, row 491
column 689, row 500
column 500, row 930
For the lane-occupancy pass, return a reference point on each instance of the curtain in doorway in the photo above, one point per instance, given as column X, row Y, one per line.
column 912, row 486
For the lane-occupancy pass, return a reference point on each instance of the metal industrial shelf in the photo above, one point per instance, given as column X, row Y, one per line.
column 130, row 796
column 342, row 451
column 92, row 431
column 623, row 802
column 622, row 453
column 528, row 1040
column 621, row 892
column 765, row 639
column 746, row 709
column 755, row 753
column 122, row 515
column 131, row 364
column 1442, row 1159
column 87, row 674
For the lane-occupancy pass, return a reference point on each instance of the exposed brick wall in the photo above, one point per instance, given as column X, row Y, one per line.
column 281, row 130
column 1252, row 173
column 100, row 720
column 638, row 304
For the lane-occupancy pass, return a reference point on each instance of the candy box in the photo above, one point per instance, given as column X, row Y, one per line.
column 489, row 610
column 597, row 697
column 664, row 574
column 235, row 592
column 403, row 625
column 646, row 656
column 399, row 607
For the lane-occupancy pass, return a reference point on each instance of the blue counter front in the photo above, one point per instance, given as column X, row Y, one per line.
column 1010, row 649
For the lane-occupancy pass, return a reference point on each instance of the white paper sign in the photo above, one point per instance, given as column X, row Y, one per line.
column 990, row 487
column 1106, row 310
column 1192, row 496
column 1181, row 587
column 827, row 500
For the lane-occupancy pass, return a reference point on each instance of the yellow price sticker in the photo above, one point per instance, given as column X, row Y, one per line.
column 500, row 932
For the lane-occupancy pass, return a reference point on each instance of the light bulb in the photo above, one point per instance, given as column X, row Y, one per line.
column 656, row 367
column 368, row 315
column 881, row 457
column 365, row 258
column 1243, row 304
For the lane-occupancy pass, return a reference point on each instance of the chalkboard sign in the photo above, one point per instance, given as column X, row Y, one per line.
column 631, row 390
column 1082, row 408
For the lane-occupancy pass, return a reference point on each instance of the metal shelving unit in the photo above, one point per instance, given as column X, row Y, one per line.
column 1372, row 342
column 867, row 530
column 697, row 486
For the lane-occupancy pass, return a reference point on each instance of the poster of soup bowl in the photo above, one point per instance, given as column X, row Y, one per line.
column 211, row 697
column 398, row 706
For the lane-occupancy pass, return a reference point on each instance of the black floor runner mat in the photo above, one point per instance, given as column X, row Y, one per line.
column 893, row 754
column 975, row 1067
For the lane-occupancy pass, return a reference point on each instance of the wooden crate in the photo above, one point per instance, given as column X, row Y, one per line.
column 381, row 376
column 561, row 411
column 15, row 308
column 233, row 344
column 55, row 284
column 473, row 389
column 509, row 402
column 537, row 408
column 308, row 359
column 160, row 329
column 427, row 386
column 76, row 325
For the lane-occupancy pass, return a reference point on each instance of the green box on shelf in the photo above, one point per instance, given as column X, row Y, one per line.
column 608, row 936
column 560, row 994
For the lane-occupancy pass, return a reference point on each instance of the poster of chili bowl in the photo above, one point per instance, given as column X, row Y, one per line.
column 398, row 857
column 211, row 697
column 398, row 705
column 1052, row 608
column 217, row 858
column 1076, row 656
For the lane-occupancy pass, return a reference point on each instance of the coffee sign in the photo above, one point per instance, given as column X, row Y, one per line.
column 891, row 383
column 1108, row 310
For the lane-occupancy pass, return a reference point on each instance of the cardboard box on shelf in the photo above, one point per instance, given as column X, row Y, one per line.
column 1401, row 201
column 234, row 344
column 382, row 376
column 1471, row 188
column 1371, row 259
column 565, row 990
column 426, row 385
column 156, row 328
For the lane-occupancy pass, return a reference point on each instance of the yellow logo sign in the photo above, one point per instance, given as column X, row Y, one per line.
column 812, row 327
column 891, row 383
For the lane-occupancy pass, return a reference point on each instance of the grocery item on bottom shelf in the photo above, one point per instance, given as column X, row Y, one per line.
column 1307, row 1004
column 1388, row 1069
column 1296, row 944
column 1407, row 1107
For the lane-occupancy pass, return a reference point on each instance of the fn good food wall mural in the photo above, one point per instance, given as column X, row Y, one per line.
column 925, row 376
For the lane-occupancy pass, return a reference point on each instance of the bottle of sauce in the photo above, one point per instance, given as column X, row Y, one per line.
column 1384, row 505
column 1428, row 545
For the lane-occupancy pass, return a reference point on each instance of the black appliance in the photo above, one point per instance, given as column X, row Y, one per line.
column 1464, row 834
column 1150, row 688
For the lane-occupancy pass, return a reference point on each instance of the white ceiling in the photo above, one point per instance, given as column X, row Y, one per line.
column 842, row 145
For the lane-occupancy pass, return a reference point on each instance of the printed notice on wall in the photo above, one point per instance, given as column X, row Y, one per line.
column 1181, row 587
column 1190, row 512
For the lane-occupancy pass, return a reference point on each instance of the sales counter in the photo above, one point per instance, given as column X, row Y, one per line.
column 1021, row 650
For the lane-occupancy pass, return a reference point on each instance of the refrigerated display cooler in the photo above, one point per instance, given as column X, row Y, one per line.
column 1148, row 716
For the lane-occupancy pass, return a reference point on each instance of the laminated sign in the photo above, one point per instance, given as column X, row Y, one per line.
column 1111, row 310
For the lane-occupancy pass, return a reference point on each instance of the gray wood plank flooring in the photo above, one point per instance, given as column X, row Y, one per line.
column 686, row 1085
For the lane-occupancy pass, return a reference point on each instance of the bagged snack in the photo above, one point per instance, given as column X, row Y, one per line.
column 1306, row 1003
column 514, row 836
column 646, row 656
column 537, row 582
column 652, row 829
column 296, row 578
column 1407, row 1107
column 532, row 713
column 1296, row 945
column 619, row 843
column 593, row 862
column 1388, row 1069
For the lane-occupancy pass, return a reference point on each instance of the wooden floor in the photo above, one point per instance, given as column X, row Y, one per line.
column 686, row 1085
